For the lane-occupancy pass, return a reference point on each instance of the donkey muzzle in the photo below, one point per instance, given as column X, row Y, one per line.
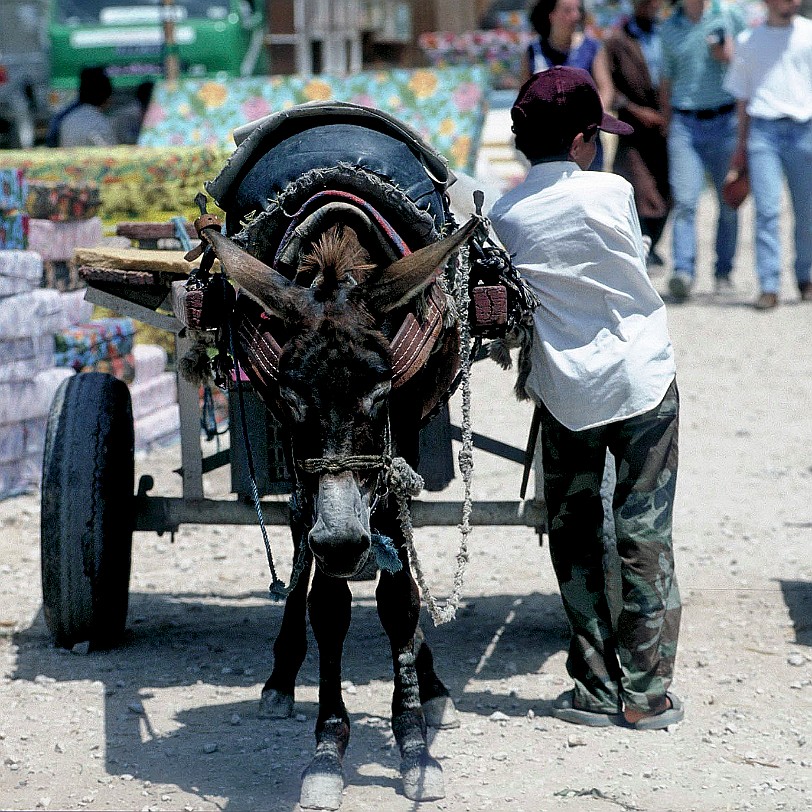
column 340, row 538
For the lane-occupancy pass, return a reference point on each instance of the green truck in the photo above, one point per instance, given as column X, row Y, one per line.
column 213, row 38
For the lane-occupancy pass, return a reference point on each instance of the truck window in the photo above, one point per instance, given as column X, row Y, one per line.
column 117, row 12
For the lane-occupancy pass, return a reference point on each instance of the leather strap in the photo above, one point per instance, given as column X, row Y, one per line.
column 411, row 346
column 414, row 341
column 260, row 347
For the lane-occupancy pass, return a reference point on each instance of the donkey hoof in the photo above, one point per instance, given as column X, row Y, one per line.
column 440, row 713
column 273, row 705
column 321, row 789
column 422, row 779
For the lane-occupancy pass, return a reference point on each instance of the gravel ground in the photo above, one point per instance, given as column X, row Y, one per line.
column 169, row 720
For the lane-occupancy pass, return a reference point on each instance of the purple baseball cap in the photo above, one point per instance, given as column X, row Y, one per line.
column 563, row 102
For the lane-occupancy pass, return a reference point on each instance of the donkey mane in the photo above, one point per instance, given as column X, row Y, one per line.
column 337, row 259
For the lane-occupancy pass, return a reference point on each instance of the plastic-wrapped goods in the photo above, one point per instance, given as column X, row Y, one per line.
column 150, row 361
column 23, row 439
column 61, row 201
column 26, row 348
column 153, row 394
column 30, row 314
column 13, row 190
column 162, row 427
column 28, row 400
column 20, row 476
column 22, row 358
column 83, row 346
column 14, row 230
column 77, row 310
column 57, row 241
column 20, row 272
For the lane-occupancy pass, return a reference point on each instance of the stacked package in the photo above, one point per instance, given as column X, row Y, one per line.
column 28, row 378
column 62, row 219
column 154, row 393
column 101, row 345
column 56, row 241
column 60, row 201
column 14, row 221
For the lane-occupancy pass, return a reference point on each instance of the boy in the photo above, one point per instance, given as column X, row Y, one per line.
column 603, row 377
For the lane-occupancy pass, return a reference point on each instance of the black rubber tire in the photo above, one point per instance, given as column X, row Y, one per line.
column 88, row 474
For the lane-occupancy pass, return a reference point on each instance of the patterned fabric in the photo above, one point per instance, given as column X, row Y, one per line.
column 444, row 106
column 500, row 50
column 13, row 189
column 135, row 183
column 103, row 345
column 187, row 134
column 13, row 231
column 48, row 200
column 630, row 662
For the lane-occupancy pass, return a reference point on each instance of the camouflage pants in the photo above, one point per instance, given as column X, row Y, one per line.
column 630, row 662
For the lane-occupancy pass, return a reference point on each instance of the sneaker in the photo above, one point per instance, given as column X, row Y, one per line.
column 679, row 286
column 806, row 291
column 723, row 286
column 766, row 301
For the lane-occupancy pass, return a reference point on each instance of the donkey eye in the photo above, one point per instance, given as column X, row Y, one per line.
column 294, row 402
column 372, row 401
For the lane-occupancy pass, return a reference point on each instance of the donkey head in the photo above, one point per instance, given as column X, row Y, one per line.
column 335, row 373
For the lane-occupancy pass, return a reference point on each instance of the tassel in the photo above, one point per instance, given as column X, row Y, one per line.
column 195, row 366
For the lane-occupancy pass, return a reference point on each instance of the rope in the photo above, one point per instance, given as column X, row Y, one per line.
column 405, row 482
column 337, row 465
column 277, row 587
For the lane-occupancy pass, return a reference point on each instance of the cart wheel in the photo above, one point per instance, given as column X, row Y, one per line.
column 87, row 520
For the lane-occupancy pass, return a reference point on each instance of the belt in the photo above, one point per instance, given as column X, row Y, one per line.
column 704, row 115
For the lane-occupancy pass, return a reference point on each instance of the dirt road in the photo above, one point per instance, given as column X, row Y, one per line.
column 169, row 721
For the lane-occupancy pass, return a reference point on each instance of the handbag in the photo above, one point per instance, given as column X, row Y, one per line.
column 736, row 187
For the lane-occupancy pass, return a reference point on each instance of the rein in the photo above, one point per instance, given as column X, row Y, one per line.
column 337, row 465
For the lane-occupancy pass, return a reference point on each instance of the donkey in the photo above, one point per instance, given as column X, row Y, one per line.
column 326, row 358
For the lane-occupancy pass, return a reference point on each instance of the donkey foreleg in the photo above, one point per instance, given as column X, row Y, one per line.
column 289, row 650
column 439, row 710
column 323, row 779
column 399, row 607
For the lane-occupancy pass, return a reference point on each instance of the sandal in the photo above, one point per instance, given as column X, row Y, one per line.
column 563, row 709
column 661, row 720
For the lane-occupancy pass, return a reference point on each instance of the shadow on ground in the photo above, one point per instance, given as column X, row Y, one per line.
column 216, row 646
column 798, row 598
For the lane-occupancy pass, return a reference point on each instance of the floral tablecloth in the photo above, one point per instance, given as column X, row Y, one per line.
column 135, row 183
column 188, row 132
column 445, row 106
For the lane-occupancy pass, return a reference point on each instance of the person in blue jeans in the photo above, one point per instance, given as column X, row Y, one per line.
column 771, row 76
column 697, row 45
column 562, row 41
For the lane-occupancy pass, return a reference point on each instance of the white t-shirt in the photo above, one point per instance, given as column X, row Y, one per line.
column 601, row 350
column 772, row 70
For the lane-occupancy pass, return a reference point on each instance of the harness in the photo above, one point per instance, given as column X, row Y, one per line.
column 275, row 206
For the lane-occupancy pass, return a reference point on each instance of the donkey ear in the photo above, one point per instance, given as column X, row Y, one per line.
column 272, row 291
column 406, row 277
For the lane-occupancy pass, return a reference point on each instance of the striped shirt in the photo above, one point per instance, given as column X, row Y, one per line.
column 696, row 77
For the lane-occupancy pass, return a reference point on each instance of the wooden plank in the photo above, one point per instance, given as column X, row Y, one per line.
column 134, row 259
column 151, row 231
column 139, row 278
